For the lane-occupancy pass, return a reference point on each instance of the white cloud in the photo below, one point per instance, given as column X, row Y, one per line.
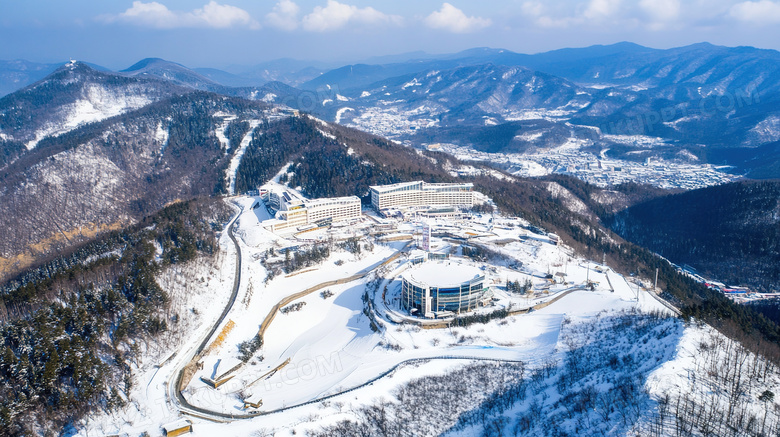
column 533, row 9
column 760, row 12
column 594, row 12
column 211, row 15
column 538, row 13
column 598, row 9
column 336, row 15
column 660, row 12
column 453, row 19
column 284, row 15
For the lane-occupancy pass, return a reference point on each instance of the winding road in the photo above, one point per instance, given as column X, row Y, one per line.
column 174, row 395
column 186, row 361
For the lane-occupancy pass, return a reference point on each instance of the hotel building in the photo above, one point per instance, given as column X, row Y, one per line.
column 294, row 212
column 407, row 194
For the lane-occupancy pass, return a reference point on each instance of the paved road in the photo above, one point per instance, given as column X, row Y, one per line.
column 174, row 394
column 180, row 402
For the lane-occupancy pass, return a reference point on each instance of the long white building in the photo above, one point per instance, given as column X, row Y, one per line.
column 294, row 212
column 419, row 193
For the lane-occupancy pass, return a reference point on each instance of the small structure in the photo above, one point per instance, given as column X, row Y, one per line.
column 179, row 427
column 426, row 237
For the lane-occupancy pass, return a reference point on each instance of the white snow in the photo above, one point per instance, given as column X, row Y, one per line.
column 236, row 159
column 529, row 136
column 411, row 83
column 768, row 130
column 341, row 112
column 434, row 272
column 329, row 346
column 161, row 135
column 220, row 130
column 97, row 104
column 326, row 134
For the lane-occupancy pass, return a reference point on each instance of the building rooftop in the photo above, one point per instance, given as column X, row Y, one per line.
column 310, row 203
column 442, row 274
column 422, row 185
column 181, row 423
column 383, row 188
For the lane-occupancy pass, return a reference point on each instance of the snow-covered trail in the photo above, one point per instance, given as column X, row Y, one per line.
column 236, row 160
column 220, row 130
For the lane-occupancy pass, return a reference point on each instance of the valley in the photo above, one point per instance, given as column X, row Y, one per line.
column 598, row 170
column 475, row 243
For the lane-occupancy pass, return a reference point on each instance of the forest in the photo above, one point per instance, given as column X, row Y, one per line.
column 113, row 173
column 323, row 166
column 730, row 232
column 70, row 330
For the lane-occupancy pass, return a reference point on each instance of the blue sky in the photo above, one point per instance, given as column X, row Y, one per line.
column 219, row 33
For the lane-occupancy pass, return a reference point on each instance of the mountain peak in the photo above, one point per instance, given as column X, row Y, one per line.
column 150, row 62
column 75, row 66
column 170, row 71
column 70, row 72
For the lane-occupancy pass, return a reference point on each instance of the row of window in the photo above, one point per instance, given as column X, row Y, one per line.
column 424, row 199
column 465, row 297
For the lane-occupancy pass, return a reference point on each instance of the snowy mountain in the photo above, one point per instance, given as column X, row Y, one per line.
column 289, row 71
column 697, row 104
column 171, row 72
column 127, row 321
column 72, row 96
column 108, row 174
column 474, row 96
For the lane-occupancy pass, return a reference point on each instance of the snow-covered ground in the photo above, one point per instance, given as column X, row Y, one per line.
column 236, row 160
column 97, row 104
column 599, row 169
column 333, row 363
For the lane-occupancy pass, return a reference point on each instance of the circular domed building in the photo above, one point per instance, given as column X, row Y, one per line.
column 441, row 289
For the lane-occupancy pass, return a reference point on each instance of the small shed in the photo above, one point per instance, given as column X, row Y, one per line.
column 179, row 427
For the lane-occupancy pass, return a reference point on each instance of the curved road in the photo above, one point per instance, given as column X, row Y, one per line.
column 180, row 403
column 174, row 393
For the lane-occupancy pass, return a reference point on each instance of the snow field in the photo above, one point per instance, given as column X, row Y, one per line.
column 329, row 347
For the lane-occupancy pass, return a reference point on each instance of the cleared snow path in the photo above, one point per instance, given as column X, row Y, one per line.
column 220, row 131
column 239, row 154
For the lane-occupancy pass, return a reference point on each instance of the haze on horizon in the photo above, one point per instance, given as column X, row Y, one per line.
column 211, row 33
